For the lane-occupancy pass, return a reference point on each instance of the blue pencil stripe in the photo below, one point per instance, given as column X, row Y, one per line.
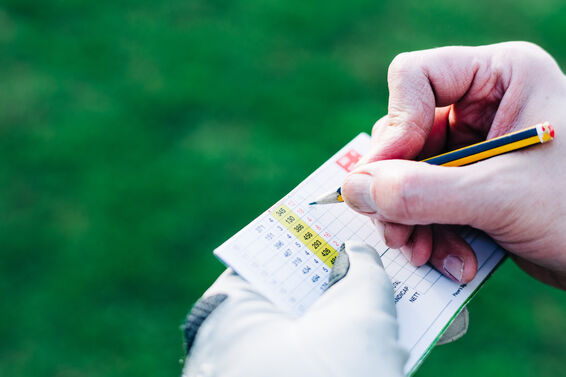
column 482, row 147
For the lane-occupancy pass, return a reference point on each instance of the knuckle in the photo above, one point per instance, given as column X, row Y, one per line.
column 409, row 125
column 529, row 55
column 379, row 125
column 400, row 63
column 531, row 51
column 375, row 129
column 523, row 46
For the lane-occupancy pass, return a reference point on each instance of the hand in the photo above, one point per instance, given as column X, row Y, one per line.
column 350, row 331
column 446, row 98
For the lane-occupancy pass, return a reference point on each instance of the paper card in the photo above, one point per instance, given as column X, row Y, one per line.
column 287, row 253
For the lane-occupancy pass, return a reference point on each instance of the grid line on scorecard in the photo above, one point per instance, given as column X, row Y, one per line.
column 305, row 234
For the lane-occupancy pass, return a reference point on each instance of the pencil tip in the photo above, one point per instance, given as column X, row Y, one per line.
column 332, row 197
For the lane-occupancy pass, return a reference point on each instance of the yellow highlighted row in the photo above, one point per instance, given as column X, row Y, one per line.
column 306, row 235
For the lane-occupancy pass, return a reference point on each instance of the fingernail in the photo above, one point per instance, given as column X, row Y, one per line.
column 407, row 251
column 454, row 266
column 380, row 227
column 357, row 190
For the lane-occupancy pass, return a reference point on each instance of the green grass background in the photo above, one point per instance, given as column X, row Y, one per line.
column 136, row 136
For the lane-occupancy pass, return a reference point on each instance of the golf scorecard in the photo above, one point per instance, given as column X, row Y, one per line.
column 287, row 254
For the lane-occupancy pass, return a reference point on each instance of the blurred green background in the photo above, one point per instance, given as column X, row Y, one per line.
column 136, row 136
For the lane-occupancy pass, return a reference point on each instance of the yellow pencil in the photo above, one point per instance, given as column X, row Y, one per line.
column 540, row 133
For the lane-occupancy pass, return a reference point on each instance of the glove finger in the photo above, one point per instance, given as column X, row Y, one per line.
column 360, row 285
column 358, row 313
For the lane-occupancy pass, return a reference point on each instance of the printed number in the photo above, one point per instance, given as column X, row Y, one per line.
column 287, row 253
column 298, row 228
column 297, row 244
column 307, row 235
column 306, row 270
column 297, row 261
column 290, row 219
column 316, row 244
column 269, row 236
column 280, row 212
column 315, row 278
column 259, row 228
column 279, row 228
column 278, row 245
column 325, row 251
column 324, row 269
column 324, row 285
column 332, row 260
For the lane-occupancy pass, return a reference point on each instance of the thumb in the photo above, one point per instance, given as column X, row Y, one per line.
column 360, row 313
column 359, row 284
column 409, row 192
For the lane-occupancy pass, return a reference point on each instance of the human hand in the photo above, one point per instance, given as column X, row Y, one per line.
column 350, row 331
column 446, row 98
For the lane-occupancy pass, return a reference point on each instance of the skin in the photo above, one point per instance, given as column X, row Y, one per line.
column 446, row 98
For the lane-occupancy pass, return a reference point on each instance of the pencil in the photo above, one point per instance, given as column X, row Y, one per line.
column 537, row 134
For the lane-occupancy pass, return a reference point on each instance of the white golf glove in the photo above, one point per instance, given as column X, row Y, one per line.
column 233, row 331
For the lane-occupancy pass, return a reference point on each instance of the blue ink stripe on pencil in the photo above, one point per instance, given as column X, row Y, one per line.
column 482, row 147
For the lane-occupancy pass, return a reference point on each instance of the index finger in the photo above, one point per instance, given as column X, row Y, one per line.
column 423, row 80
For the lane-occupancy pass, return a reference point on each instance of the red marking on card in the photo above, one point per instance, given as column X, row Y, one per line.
column 551, row 131
column 348, row 161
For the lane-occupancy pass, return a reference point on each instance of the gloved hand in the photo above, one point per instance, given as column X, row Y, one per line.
column 350, row 331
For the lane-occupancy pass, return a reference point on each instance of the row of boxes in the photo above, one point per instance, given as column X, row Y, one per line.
column 305, row 234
